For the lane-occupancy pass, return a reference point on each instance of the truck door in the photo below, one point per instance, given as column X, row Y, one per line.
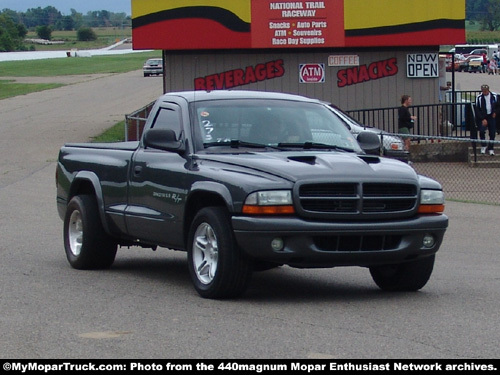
column 156, row 192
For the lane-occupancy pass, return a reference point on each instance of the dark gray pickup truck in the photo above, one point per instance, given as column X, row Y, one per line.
column 247, row 181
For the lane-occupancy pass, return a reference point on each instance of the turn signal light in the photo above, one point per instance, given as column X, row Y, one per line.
column 430, row 208
column 268, row 210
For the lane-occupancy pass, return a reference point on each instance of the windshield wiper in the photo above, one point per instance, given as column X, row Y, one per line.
column 236, row 143
column 315, row 146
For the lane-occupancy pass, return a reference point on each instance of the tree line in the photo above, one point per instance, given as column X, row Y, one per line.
column 14, row 25
column 486, row 12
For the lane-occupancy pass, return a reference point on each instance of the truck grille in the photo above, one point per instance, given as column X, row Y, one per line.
column 357, row 243
column 357, row 199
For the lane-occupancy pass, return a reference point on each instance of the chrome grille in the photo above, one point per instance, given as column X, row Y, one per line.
column 353, row 199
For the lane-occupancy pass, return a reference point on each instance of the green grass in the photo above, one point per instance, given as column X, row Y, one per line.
column 76, row 65
column 114, row 134
column 9, row 88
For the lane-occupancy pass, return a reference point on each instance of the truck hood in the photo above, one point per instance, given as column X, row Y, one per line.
column 294, row 166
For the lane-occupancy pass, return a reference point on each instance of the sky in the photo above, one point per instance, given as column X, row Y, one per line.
column 64, row 6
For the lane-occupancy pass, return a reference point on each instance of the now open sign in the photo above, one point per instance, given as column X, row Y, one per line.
column 311, row 73
column 422, row 65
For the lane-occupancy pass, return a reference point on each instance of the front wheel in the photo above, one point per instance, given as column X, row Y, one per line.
column 86, row 243
column 218, row 267
column 410, row 276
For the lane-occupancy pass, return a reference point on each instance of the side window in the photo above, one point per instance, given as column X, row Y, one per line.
column 168, row 118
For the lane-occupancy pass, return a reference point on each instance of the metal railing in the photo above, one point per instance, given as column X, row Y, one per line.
column 135, row 122
column 450, row 118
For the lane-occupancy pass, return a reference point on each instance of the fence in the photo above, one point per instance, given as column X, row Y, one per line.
column 454, row 117
column 134, row 122
column 441, row 148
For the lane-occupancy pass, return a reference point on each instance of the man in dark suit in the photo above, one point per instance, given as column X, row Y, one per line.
column 486, row 103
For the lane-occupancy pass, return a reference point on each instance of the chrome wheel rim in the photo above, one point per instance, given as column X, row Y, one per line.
column 205, row 253
column 75, row 233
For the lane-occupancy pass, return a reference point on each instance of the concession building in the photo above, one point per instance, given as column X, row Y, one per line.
column 354, row 53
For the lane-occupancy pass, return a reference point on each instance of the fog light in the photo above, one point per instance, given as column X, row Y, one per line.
column 277, row 244
column 429, row 241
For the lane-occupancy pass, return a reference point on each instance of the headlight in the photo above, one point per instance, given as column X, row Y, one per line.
column 431, row 201
column 396, row 146
column 270, row 202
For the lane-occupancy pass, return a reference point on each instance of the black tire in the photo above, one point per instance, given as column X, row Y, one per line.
column 86, row 243
column 410, row 276
column 218, row 267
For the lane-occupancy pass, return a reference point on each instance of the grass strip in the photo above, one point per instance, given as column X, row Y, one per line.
column 114, row 134
column 10, row 88
column 76, row 65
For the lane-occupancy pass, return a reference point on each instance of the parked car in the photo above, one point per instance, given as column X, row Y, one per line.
column 475, row 64
column 392, row 145
column 477, row 52
column 153, row 67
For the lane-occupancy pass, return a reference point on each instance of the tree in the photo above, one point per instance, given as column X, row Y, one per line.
column 11, row 34
column 86, row 34
column 491, row 21
column 67, row 23
column 77, row 19
column 487, row 12
column 47, row 16
column 44, row 32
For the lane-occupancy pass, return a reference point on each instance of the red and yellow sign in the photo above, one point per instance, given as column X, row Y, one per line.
column 300, row 24
column 191, row 24
column 246, row 24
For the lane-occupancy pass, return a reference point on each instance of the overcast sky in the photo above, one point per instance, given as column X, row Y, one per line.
column 64, row 6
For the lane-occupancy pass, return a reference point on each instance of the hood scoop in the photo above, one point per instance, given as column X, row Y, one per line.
column 370, row 159
column 309, row 159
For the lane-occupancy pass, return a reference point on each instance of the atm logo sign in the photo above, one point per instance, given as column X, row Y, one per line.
column 312, row 73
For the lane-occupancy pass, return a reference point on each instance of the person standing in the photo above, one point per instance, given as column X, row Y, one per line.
column 405, row 119
column 486, row 117
column 492, row 67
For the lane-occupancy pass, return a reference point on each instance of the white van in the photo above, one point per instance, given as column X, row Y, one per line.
column 476, row 49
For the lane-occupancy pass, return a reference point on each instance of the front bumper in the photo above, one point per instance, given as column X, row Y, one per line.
column 152, row 70
column 330, row 244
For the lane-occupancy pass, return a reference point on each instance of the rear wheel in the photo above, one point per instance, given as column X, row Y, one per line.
column 86, row 243
column 218, row 267
column 410, row 276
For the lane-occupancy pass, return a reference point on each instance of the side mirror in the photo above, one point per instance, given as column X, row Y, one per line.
column 369, row 142
column 163, row 139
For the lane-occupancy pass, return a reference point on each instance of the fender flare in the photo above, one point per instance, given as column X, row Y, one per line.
column 91, row 177
column 214, row 187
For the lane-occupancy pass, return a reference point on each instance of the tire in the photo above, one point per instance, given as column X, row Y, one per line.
column 86, row 243
column 217, row 266
column 410, row 276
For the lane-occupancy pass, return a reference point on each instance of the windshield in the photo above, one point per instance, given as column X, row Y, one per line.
column 270, row 123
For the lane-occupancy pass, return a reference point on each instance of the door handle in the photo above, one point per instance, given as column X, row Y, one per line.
column 137, row 170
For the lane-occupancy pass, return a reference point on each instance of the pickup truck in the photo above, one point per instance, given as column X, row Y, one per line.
column 246, row 181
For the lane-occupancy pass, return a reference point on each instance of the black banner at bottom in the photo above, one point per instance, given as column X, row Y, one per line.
column 15, row 366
